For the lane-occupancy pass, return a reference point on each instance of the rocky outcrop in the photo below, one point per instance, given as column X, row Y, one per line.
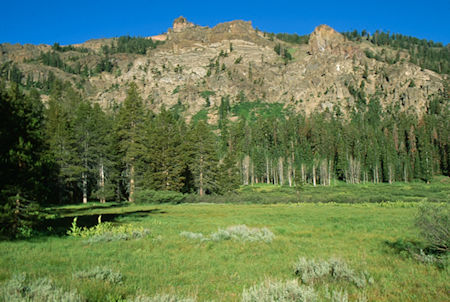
column 324, row 39
column 236, row 61
column 187, row 36
column 180, row 24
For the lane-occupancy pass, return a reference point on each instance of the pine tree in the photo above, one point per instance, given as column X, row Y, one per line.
column 165, row 157
column 23, row 165
column 204, row 161
column 62, row 140
column 91, row 129
column 130, row 139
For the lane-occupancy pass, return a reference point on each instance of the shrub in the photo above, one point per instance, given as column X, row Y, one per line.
column 192, row 235
column 19, row 288
column 162, row 298
column 433, row 221
column 106, row 231
column 419, row 251
column 308, row 270
column 311, row 270
column 244, row 233
column 287, row 291
column 152, row 196
column 339, row 296
column 100, row 273
column 237, row 232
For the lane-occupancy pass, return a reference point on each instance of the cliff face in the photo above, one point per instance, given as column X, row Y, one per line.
column 234, row 59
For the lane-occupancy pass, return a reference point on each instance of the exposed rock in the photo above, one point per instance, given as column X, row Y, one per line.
column 180, row 24
column 324, row 39
column 233, row 59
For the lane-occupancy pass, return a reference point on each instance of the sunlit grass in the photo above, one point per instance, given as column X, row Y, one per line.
column 165, row 262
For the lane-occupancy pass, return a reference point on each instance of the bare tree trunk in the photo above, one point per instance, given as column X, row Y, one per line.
column 314, row 174
column 252, row 172
column 354, row 170
column 200, row 187
column 290, row 172
column 390, row 173
column 324, row 172
column 84, row 181
column 246, row 168
column 405, row 172
column 267, row 171
column 132, row 185
column 303, row 172
column 281, row 170
column 329, row 172
column 102, row 184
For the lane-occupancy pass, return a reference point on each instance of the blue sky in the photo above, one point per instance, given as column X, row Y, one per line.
column 69, row 22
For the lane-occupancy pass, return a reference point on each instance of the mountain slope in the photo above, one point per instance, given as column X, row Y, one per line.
column 196, row 67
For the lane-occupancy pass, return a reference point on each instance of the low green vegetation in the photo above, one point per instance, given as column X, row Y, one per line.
column 425, row 53
column 322, row 252
column 128, row 44
column 104, row 232
column 339, row 192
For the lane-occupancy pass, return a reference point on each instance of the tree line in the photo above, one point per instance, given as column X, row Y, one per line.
column 424, row 53
column 72, row 151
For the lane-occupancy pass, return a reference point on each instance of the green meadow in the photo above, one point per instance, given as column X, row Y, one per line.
column 164, row 262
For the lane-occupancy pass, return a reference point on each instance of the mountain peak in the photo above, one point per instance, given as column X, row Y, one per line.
column 181, row 23
column 324, row 38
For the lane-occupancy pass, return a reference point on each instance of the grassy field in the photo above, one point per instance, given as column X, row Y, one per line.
column 165, row 262
column 339, row 192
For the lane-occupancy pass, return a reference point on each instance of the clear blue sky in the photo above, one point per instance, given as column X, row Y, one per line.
column 69, row 22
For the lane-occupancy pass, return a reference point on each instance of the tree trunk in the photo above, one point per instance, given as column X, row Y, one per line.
column 246, row 168
column 290, row 172
column 267, row 171
column 132, row 185
column 252, row 172
column 84, row 181
column 405, row 172
column 314, row 174
column 390, row 173
column 102, row 184
column 281, row 170
column 200, row 186
column 303, row 172
column 329, row 172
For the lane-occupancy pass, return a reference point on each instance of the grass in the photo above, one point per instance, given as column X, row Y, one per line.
column 166, row 263
column 339, row 192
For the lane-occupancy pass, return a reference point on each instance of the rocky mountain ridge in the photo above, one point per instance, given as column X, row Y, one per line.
column 197, row 67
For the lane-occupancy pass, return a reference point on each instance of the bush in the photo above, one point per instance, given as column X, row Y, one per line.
column 19, row 288
column 192, row 235
column 339, row 296
column 237, row 232
column 433, row 221
column 100, row 273
column 106, row 231
column 152, row 196
column 312, row 270
column 162, row 298
column 269, row 291
column 244, row 233
column 420, row 251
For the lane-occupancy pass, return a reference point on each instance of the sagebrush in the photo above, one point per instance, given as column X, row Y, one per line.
column 287, row 291
column 100, row 273
column 236, row 232
column 312, row 270
column 21, row 289
column 162, row 298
